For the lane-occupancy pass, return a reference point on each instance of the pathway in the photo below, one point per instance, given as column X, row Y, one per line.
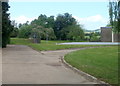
column 23, row 65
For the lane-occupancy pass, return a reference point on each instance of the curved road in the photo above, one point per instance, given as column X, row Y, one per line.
column 23, row 65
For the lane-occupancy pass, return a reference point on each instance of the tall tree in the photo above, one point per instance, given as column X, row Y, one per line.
column 119, row 16
column 6, row 24
column 62, row 21
column 114, row 15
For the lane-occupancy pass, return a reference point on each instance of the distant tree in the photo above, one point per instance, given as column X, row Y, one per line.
column 49, row 34
column 50, row 28
column 62, row 21
column 36, row 31
column 50, row 22
column 20, row 25
column 94, row 37
column 15, row 31
column 25, row 31
column 40, row 32
column 42, row 21
column 36, row 35
column 75, row 32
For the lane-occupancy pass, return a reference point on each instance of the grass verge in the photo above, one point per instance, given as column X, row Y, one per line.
column 46, row 45
column 99, row 62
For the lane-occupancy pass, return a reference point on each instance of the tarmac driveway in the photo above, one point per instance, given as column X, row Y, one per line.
column 23, row 65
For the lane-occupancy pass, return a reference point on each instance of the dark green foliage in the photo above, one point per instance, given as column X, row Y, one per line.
column 94, row 37
column 39, row 28
column 62, row 21
column 44, row 21
column 36, row 31
column 6, row 25
column 64, row 27
column 43, row 33
column 25, row 31
column 15, row 31
column 75, row 32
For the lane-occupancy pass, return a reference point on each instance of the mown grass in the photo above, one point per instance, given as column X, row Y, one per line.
column 99, row 62
column 46, row 45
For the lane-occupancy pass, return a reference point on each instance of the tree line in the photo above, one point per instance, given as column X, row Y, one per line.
column 63, row 27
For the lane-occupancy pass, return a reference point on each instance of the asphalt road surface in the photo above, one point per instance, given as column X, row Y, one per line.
column 23, row 65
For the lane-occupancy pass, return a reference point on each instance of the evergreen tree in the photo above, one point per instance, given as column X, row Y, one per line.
column 6, row 24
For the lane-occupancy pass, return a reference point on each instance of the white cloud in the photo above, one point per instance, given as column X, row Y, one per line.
column 92, row 22
column 22, row 19
column 97, row 18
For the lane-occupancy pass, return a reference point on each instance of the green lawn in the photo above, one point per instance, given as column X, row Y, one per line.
column 99, row 62
column 49, row 45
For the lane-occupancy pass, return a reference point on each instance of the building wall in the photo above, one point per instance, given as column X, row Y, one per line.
column 106, row 34
column 116, row 37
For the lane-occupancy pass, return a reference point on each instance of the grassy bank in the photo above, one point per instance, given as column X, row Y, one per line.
column 99, row 62
column 46, row 45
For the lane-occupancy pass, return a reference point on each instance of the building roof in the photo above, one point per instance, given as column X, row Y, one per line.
column 106, row 27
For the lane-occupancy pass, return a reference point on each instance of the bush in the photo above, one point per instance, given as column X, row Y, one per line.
column 94, row 39
column 25, row 31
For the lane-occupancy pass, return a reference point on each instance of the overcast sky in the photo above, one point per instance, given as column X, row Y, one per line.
column 92, row 15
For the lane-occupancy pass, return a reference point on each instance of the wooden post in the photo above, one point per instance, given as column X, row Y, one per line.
column 112, row 36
